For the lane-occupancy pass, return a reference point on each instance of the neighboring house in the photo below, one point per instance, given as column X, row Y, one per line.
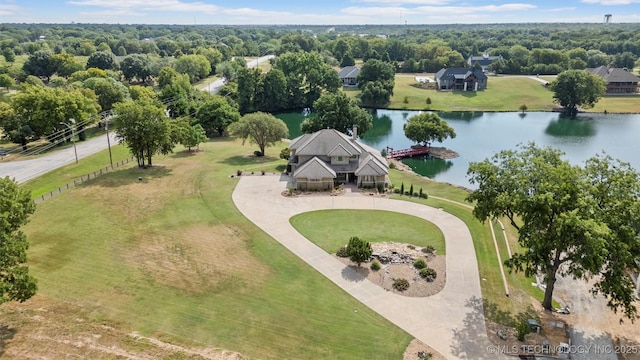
column 326, row 158
column 461, row 79
column 348, row 75
column 483, row 61
column 619, row 81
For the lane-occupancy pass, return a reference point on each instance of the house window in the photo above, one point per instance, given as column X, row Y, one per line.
column 339, row 158
column 354, row 156
column 315, row 180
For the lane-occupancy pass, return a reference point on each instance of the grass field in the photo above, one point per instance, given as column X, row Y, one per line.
column 331, row 229
column 171, row 257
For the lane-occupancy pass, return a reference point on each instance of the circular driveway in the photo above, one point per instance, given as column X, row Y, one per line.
column 452, row 321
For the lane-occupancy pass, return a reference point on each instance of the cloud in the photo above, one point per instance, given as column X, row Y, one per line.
column 435, row 10
column 146, row 5
column 611, row 2
column 399, row 2
column 561, row 9
column 6, row 9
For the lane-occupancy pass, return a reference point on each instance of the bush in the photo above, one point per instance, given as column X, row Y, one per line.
column 522, row 329
column 342, row 252
column 375, row 265
column 380, row 188
column 238, row 172
column 359, row 250
column 258, row 153
column 415, row 194
column 411, row 247
column 392, row 166
column 411, row 190
column 401, row 284
column 420, row 263
column 424, row 195
column 429, row 249
column 428, row 274
column 396, row 191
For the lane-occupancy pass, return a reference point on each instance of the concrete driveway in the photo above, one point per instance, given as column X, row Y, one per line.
column 452, row 321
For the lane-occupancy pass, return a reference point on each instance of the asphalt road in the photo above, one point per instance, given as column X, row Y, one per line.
column 215, row 86
column 25, row 170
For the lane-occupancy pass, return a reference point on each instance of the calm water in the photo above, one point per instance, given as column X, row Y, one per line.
column 480, row 135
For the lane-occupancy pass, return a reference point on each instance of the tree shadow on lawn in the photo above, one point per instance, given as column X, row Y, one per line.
column 186, row 153
column 354, row 273
column 129, row 176
column 6, row 334
column 247, row 160
column 470, row 341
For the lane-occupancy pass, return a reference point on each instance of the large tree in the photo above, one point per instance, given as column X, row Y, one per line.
column 376, row 79
column 427, row 127
column 216, row 115
column 108, row 91
column 260, row 128
column 338, row 111
column 195, row 66
column 104, row 60
column 136, row 66
column 571, row 221
column 145, row 128
column 574, row 88
column 40, row 64
column 16, row 205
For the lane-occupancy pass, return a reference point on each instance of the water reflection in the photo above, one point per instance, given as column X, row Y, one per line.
column 567, row 127
column 382, row 127
column 428, row 166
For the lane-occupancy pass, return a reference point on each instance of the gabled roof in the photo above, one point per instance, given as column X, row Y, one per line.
column 349, row 72
column 339, row 150
column 324, row 141
column 370, row 165
column 613, row 74
column 460, row 73
column 315, row 169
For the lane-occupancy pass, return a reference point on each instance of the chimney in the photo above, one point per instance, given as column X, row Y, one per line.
column 355, row 132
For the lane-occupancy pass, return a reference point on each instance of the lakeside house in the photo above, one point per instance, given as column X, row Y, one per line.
column 349, row 76
column 326, row 158
column 619, row 81
column 465, row 79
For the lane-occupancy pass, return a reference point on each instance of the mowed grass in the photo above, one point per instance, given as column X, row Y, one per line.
column 452, row 200
column 331, row 229
column 503, row 93
column 170, row 256
column 617, row 104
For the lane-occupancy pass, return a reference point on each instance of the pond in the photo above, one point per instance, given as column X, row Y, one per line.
column 482, row 134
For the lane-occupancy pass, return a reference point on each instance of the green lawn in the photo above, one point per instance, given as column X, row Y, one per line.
column 170, row 256
column 331, row 229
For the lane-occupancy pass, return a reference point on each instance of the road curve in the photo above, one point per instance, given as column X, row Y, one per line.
column 452, row 321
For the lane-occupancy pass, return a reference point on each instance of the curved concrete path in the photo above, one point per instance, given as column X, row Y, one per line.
column 452, row 321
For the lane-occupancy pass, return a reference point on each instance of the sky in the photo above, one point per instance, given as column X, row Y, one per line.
column 316, row 12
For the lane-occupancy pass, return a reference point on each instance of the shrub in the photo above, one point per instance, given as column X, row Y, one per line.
column 375, row 265
column 359, row 250
column 420, row 192
column 342, row 252
column 262, row 171
column 285, row 153
column 401, row 284
column 258, row 153
column 407, row 193
column 401, row 188
column 424, row 195
column 411, row 247
column 420, row 263
column 392, row 166
column 396, row 191
column 415, row 194
column 238, row 172
column 291, row 190
column 428, row 274
column 522, row 329
column 380, row 188
column 429, row 249
column 411, row 190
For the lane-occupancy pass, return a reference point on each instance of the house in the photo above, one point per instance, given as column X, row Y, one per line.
column 461, row 79
column 348, row 75
column 619, row 81
column 326, row 158
column 483, row 61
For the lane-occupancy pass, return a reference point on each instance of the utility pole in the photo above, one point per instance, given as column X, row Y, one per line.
column 73, row 121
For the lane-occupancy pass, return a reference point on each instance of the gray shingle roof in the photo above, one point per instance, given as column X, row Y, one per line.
column 613, row 74
column 370, row 165
column 349, row 72
column 461, row 73
column 315, row 169
column 322, row 142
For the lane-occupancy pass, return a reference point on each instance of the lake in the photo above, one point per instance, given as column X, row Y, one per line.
column 482, row 134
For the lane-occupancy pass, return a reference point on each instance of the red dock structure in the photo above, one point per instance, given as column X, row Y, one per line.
column 413, row 151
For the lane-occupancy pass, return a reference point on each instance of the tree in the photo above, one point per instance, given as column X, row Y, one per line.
column 188, row 135
column 15, row 129
column 337, row 111
column 9, row 55
column 376, row 79
column 40, row 64
column 274, row 91
column 571, row 221
column 144, row 127
column 358, row 250
column 427, row 127
column 136, row 66
column 16, row 205
column 6, row 81
column 195, row 66
column 104, row 60
column 260, row 128
column 347, row 60
column 573, row 88
column 65, row 64
column 108, row 91
column 428, row 101
column 249, row 81
column 523, row 108
column 216, row 115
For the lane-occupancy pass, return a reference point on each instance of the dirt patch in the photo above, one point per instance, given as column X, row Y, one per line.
column 443, row 153
column 189, row 259
column 417, row 348
column 43, row 329
column 389, row 272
